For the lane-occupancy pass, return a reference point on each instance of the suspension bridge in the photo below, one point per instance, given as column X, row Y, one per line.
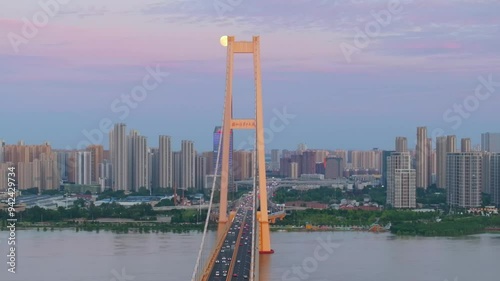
column 243, row 233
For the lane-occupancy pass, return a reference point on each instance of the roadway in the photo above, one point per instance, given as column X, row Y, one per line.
column 241, row 268
column 233, row 261
column 225, row 262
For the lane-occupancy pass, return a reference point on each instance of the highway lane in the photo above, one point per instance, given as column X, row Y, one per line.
column 242, row 264
column 221, row 266
column 235, row 252
column 225, row 256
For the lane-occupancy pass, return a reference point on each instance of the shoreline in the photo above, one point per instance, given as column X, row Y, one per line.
column 141, row 227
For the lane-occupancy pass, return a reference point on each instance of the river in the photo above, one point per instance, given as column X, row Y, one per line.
column 66, row 255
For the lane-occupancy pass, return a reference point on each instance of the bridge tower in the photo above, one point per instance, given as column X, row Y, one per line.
column 256, row 123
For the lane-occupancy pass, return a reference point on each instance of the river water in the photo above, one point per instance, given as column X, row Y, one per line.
column 66, row 255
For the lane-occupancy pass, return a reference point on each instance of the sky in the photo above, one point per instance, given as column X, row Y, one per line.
column 337, row 74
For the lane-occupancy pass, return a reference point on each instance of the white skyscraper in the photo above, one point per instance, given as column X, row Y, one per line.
column 83, row 167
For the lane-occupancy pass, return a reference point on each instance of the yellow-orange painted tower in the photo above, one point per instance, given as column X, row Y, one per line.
column 257, row 123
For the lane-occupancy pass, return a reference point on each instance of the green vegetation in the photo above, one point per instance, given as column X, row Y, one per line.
column 186, row 216
column 431, row 196
column 331, row 217
column 78, row 211
column 109, row 193
column 125, row 227
column 449, row 226
column 165, row 203
column 329, row 195
column 404, row 222
column 30, row 191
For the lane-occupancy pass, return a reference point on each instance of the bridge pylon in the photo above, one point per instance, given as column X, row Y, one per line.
column 257, row 124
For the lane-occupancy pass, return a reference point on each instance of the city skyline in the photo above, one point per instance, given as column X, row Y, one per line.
column 420, row 62
column 176, row 143
column 244, row 144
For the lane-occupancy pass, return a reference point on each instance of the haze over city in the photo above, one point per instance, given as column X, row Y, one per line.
column 422, row 63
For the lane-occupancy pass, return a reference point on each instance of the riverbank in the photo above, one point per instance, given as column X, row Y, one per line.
column 398, row 222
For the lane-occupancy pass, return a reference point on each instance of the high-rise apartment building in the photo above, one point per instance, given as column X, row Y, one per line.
column 401, row 181
column 441, row 151
column 275, row 160
column 36, row 165
column 177, row 169
column 422, row 158
column 119, row 157
column 165, row 173
column 384, row 167
column 294, row 170
column 96, row 158
column 401, row 144
column 210, row 161
column 494, row 178
column 217, row 144
column 370, row 159
column 431, row 162
column 308, row 164
column 451, row 144
column 464, row 179
column 106, row 172
column 154, row 167
column 2, row 149
column 83, row 167
column 490, row 142
column 242, row 165
column 188, row 158
column 200, row 172
column 334, row 167
column 138, row 161
column 465, row 145
column 341, row 154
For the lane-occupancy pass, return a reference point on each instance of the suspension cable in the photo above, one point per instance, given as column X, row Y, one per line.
column 254, row 211
column 197, row 266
